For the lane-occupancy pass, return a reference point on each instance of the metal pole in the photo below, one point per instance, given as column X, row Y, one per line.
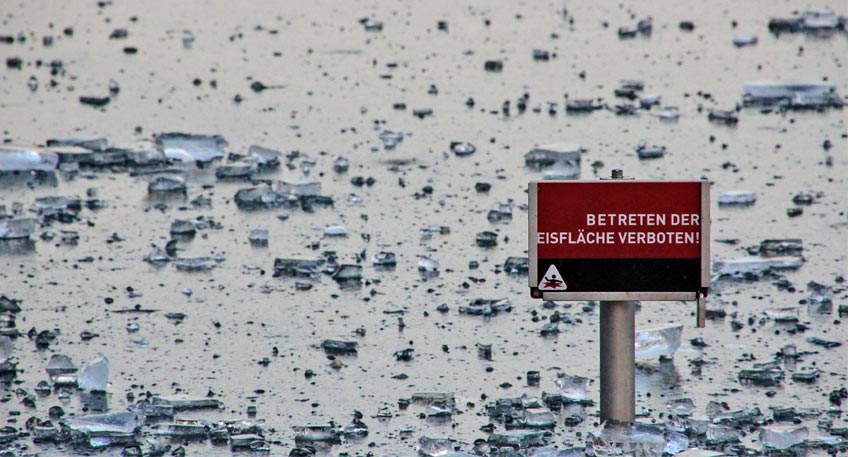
column 618, row 361
column 618, row 356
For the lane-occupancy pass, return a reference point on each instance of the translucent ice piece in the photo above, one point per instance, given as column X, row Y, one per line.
column 518, row 438
column 565, row 156
column 189, row 147
column 660, row 340
column 384, row 259
column 258, row 237
column 297, row 187
column 721, row 434
column 818, row 293
column 11, row 229
column 316, row 433
column 181, row 404
column 680, row 406
column 94, row 375
column 756, row 265
column 5, row 348
column 61, row 366
column 14, row 158
column 782, row 436
column 106, row 429
column 194, row 264
column 167, row 184
column 427, row 264
column 572, row 387
column 264, row 157
column 434, row 447
column 627, row 440
column 737, row 198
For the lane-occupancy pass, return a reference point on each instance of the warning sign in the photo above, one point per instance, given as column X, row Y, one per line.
column 619, row 239
column 552, row 280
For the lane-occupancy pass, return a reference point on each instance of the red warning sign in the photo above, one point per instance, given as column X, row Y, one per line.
column 619, row 236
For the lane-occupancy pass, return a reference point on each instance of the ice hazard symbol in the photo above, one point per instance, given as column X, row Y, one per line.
column 552, row 280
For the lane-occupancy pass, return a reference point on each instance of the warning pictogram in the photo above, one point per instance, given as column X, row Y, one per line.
column 552, row 280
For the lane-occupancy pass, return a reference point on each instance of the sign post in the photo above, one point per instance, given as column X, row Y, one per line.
column 619, row 241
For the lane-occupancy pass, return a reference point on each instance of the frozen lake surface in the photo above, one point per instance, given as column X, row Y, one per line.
column 402, row 130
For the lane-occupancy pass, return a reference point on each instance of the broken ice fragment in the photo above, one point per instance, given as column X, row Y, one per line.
column 335, row 231
column 519, row 438
column 646, row 151
column 61, row 370
column 5, row 348
column 723, row 117
column 93, row 144
column 426, row 264
column 806, row 375
column 94, row 374
column 823, row 342
column 258, row 237
column 516, row 265
column 501, row 212
column 717, row 434
column 434, row 447
column 680, row 406
column 737, row 198
column 194, row 264
column 462, row 149
column 167, row 184
column 183, row 404
column 348, row 273
column 384, row 259
column 339, row 346
column 636, row 439
column 778, row 247
column 789, row 314
column 11, row 229
column 157, row 256
column 183, row 227
column 669, row 113
column 817, row 293
column 744, row 40
column 298, row 188
column 761, row 377
column 487, row 239
column 106, row 429
column 486, row 307
column 746, row 266
column 567, row 156
column 391, row 138
column 297, row 267
column 341, row 164
column 316, row 433
column 236, row 170
column 572, row 388
column 660, row 340
column 15, row 158
column 782, row 436
column 190, row 147
column 792, row 96
column 264, row 157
